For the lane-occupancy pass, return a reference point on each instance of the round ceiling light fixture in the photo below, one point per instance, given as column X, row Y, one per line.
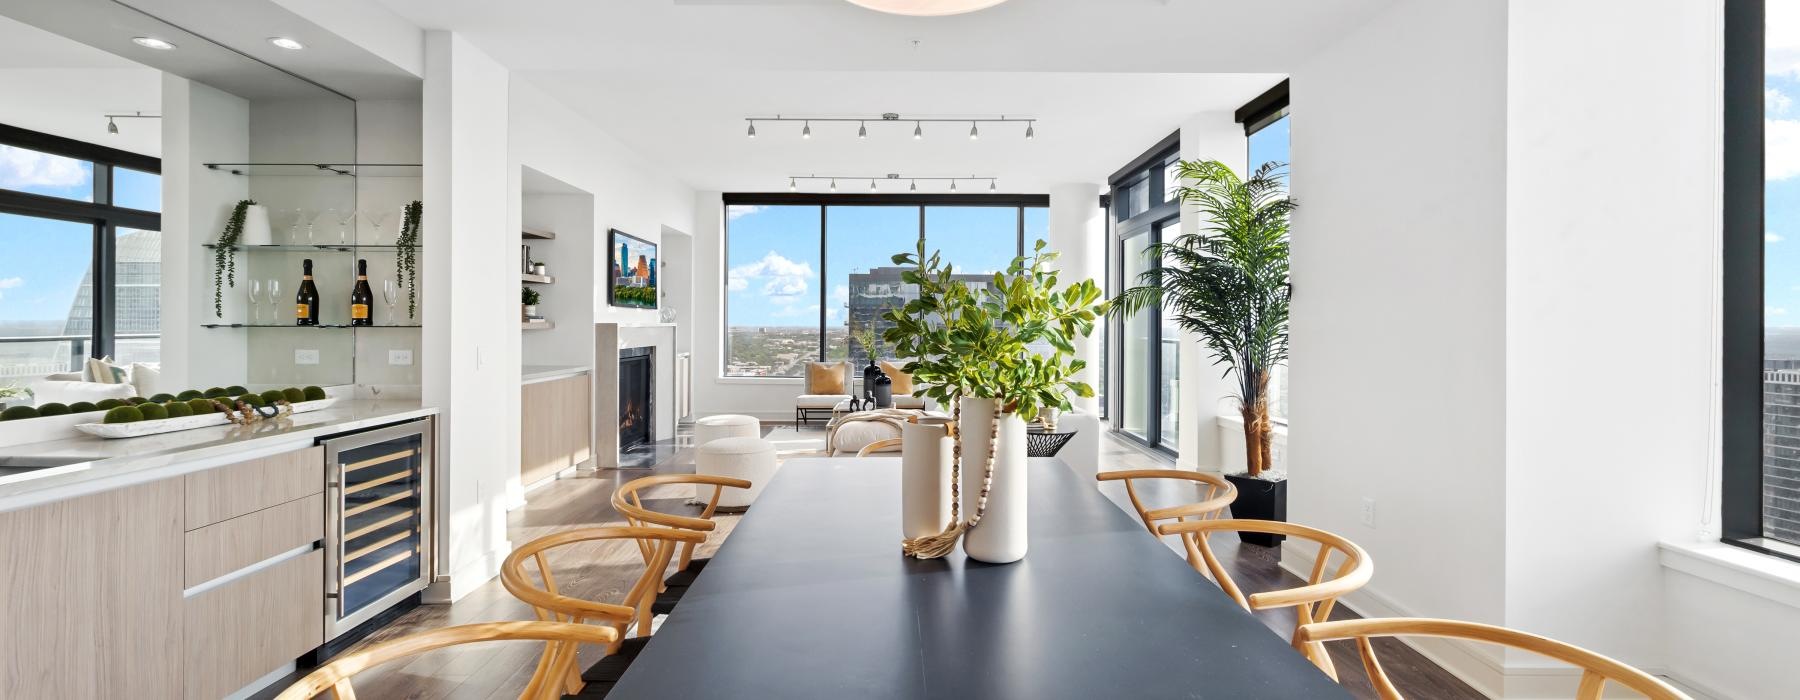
column 283, row 42
column 150, row 42
column 926, row 8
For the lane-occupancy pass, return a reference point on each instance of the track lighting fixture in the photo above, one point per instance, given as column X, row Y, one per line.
column 914, row 187
column 871, row 185
column 912, row 181
column 918, row 130
column 993, row 186
column 834, row 184
column 112, row 127
column 792, row 187
column 952, row 185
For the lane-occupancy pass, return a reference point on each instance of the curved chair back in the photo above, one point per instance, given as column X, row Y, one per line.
column 335, row 677
column 1596, row 670
column 629, row 502
column 888, row 445
column 1215, row 495
column 552, row 605
column 1311, row 602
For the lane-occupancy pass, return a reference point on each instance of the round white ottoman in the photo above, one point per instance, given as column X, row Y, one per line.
column 712, row 428
column 748, row 458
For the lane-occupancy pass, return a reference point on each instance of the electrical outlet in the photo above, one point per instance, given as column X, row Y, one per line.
column 399, row 357
column 1368, row 512
column 306, row 357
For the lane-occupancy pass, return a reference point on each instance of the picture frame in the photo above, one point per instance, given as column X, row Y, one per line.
column 631, row 265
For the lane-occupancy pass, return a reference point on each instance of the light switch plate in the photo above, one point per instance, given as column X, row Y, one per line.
column 306, row 357
column 399, row 357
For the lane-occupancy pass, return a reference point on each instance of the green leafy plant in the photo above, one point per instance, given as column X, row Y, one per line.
column 225, row 255
column 1228, row 284
column 866, row 338
column 528, row 296
column 406, row 255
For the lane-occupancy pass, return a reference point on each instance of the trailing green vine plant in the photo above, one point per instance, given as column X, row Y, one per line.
column 406, row 255
column 225, row 255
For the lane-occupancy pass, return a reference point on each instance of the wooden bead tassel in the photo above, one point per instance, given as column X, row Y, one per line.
column 941, row 544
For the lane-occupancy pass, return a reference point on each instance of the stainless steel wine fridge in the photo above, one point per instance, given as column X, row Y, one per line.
column 378, row 521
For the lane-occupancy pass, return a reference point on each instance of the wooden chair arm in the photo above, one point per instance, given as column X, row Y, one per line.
column 335, row 675
column 878, row 446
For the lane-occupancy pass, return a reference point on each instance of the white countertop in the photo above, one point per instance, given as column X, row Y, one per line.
column 538, row 373
column 127, row 462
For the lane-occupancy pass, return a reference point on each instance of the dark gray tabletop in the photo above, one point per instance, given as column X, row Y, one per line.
column 811, row 598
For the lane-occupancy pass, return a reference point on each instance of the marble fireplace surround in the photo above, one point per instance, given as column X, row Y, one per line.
column 609, row 338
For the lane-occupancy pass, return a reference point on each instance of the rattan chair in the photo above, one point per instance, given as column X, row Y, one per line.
column 1216, row 494
column 335, row 677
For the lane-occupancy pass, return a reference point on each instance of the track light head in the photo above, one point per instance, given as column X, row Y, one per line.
column 806, row 132
column 792, row 187
column 918, row 131
column 834, row 184
column 914, row 187
column 752, row 132
column 112, row 127
column 862, row 130
column 871, row 185
column 952, row 185
column 974, row 131
column 1030, row 130
column 993, row 186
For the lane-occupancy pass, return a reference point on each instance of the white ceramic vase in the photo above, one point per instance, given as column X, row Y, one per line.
column 926, row 450
column 1001, row 537
column 256, row 226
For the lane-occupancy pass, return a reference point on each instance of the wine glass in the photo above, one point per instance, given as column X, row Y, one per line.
column 345, row 220
column 390, row 293
column 311, row 222
column 274, row 298
column 254, row 290
column 299, row 217
column 379, row 220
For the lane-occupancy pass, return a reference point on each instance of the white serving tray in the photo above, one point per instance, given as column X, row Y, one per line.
column 170, row 425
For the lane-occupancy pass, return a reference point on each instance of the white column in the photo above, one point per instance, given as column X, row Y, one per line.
column 1078, row 232
column 1204, row 392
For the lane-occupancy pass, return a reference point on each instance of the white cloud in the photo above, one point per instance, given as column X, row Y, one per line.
column 1774, row 311
column 1782, row 147
column 10, row 283
column 1776, row 102
column 21, row 168
column 840, row 294
column 780, row 277
column 736, row 210
column 1783, row 38
column 808, row 310
column 1772, row 237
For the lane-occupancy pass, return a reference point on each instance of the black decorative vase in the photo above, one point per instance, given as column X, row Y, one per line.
column 1259, row 500
column 884, row 391
column 869, row 374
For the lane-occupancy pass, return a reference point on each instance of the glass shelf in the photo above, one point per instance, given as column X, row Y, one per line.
column 310, row 247
column 290, row 325
column 321, row 169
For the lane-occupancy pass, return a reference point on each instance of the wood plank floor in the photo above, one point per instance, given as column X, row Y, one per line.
column 605, row 570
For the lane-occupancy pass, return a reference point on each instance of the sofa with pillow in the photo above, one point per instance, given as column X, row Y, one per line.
column 100, row 379
column 827, row 385
column 903, row 387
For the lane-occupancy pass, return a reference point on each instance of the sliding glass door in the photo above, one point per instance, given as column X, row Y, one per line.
column 1150, row 354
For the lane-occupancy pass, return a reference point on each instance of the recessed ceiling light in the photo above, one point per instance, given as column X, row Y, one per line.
column 926, row 8
column 150, row 42
column 286, row 43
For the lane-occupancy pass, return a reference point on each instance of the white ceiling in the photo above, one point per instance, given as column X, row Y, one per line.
column 62, row 87
column 1107, row 78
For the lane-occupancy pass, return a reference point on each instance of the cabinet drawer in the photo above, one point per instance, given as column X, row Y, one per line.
column 216, row 495
column 221, row 548
column 244, row 629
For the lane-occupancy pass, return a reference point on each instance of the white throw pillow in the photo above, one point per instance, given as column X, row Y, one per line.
column 147, row 377
column 71, row 392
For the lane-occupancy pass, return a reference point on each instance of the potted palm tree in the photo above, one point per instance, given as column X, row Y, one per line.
column 1228, row 284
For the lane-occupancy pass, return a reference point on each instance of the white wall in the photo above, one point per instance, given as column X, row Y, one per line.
column 1608, row 281
column 470, row 265
column 200, row 125
column 568, row 303
column 1078, row 234
column 768, row 398
column 1399, row 140
column 1205, row 393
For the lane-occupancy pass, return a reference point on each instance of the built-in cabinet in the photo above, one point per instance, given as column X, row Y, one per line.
column 556, row 427
column 192, row 586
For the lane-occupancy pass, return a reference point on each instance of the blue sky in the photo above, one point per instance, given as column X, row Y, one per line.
column 775, row 271
column 45, row 259
column 1781, row 223
column 1270, row 144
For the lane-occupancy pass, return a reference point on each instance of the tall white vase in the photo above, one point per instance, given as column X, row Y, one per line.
column 925, row 453
column 1001, row 537
column 256, row 226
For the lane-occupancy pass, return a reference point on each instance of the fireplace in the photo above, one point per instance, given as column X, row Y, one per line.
column 637, row 397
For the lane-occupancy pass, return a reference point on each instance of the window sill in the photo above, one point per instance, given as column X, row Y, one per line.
column 766, row 381
column 1280, row 428
column 1761, row 575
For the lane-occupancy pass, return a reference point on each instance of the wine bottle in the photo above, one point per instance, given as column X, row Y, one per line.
column 361, row 299
column 306, row 303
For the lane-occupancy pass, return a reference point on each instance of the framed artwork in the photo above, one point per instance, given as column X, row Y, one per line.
column 631, row 262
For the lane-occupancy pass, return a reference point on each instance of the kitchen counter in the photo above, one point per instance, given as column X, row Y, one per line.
column 539, row 373
column 113, row 464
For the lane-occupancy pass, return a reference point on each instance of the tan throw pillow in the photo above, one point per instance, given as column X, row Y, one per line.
column 825, row 377
column 902, row 381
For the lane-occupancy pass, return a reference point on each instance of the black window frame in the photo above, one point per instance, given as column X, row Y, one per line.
column 1741, row 353
column 1147, row 167
column 1018, row 202
column 105, row 218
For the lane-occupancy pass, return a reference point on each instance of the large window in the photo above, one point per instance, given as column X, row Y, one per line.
column 1148, row 391
column 1761, row 496
column 808, row 276
column 1267, row 142
column 81, row 271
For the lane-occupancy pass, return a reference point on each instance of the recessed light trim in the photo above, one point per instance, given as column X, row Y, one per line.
column 150, row 42
column 926, row 8
column 282, row 42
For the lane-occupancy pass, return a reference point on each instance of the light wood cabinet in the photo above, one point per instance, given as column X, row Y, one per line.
column 90, row 596
column 250, row 626
column 227, row 492
column 221, row 548
column 556, row 427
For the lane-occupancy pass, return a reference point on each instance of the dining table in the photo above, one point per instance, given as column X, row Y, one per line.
column 811, row 597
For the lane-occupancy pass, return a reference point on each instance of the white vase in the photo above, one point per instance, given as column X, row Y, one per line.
column 1001, row 537
column 256, row 226
column 926, row 450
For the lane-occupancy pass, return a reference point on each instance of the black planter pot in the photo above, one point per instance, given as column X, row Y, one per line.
column 1259, row 500
column 884, row 391
column 869, row 374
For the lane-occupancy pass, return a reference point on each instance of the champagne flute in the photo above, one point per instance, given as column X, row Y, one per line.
column 294, row 226
column 310, row 224
column 274, row 298
column 254, row 290
column 390, row 293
